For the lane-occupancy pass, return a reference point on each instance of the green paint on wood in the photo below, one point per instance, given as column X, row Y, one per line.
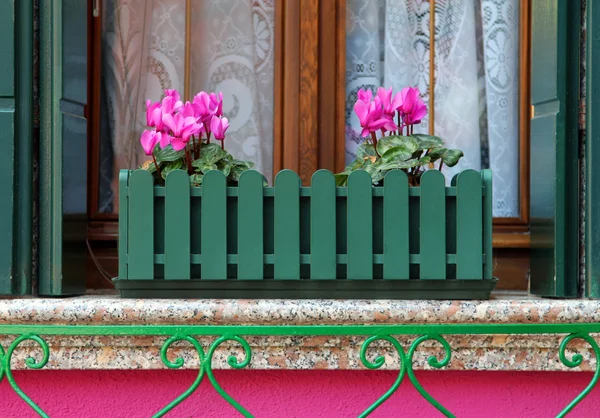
column 322, row 226
column 7, row 49
column 287, row 226
column 360, row 226
column 177, row 226
column 123, row 222
column 469, row 226
column 141, row 226
column 488, row 267
column 250, row 226
column 396, row 255
column 7, row 232
column 433, row 226
column 214, row 226
column 554, row 134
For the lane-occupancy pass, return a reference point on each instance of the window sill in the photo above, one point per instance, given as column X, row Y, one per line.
column 469, row 352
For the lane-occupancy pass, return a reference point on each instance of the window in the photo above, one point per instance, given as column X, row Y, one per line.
column 290, row 77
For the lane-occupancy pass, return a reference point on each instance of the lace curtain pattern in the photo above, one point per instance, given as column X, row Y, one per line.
column 232, row 50
column 476, row 79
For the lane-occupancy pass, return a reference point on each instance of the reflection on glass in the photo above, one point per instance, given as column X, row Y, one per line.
column 476, row 87
column 230, row 49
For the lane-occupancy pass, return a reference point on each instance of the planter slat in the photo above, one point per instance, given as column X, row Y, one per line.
column 323, row 263
column 486, row 177
column 214, row 226
column 396, row 252
column 287, row 226
column 177, row 226
column 123, row 223
column 359, row 225
column 141, row 226
column 433, row 226
column 469, row 226
column 250, row 227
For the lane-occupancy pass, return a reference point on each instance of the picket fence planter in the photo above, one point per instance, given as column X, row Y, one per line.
column 323, row 241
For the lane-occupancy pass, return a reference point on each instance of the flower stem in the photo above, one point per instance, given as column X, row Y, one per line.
column 374, row 140
column 188, row 160
column 441, row 163
column 156, row 165
column 222, row 144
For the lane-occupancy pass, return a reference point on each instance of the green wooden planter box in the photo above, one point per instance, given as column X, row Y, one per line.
column 323, row 241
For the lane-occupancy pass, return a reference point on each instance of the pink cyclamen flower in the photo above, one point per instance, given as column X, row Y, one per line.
column 154, row 115
column 364, row 95
column 208, row 105
column 218, row 127
column 413, row 108
column 390, row 105
column 173, row 93
column 171, row 101
column 149, row 140
column 372, row 118
column 182, row 128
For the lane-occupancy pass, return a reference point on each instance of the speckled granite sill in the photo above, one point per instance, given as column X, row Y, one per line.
column 483, row 352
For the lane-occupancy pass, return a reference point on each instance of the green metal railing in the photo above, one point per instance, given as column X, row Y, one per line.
column 237, row 333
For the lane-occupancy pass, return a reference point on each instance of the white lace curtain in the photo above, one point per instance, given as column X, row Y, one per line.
column 476, row 79
column 143, row 52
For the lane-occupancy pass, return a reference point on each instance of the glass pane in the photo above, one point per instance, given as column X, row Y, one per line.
column 476, row 73
column 230, row 48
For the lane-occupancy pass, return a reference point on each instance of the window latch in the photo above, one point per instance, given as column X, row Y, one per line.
column 96, row 8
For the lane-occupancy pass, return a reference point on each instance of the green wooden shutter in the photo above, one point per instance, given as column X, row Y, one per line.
column 554, row 143
column 63, row 146
column 592, row 174
column 16, row 80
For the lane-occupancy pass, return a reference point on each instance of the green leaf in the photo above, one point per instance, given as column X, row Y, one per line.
column 167, row 168
column 341, row 179
column 428, row 141
column 356, row 165
column 396, row 154
column 196, row 179
column 398, row 165
column 425, row 160
column 148, row 166
column 168, row 154
column 365, row 151
column 236, row 172
column 406, row 144
column 211, row 154
column 204, row 168
column 242, row 163
column 224, row 168
column 450, row 157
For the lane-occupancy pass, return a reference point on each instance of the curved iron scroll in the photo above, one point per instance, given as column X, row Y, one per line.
column 376, row 334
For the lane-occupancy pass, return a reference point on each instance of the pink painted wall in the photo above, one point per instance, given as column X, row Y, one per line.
column 312, row 394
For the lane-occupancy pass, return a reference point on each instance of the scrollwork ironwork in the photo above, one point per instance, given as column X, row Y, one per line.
column 233, row 362
column 378, row 362
column 433, row 362
column 576, row 361
column 178, row 363
column 379, row 334
column 30, row 362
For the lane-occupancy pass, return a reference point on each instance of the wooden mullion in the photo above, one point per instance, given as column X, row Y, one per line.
column 93, row 107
